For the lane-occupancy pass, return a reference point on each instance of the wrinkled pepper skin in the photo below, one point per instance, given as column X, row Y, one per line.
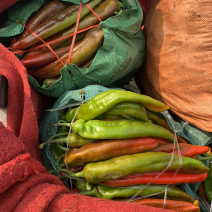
column 173, row 205
column 56, row 24
column 152, row 177
column 122, row 166
column 48, row 11
column 102, row 150
column 128, row 108
column 106, row 100
column 188, row 150
column 81, row 53
column 103, row 11
column 118, row 129
column 107, row 192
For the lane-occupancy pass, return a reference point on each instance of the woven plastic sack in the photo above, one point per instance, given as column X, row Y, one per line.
column 122, row 53
column 179, row 58
column 48, row 119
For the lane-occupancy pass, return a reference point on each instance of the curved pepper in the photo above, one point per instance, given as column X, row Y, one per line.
column 74, row 140
column 102, row 102
column 107, row 192
column 117, row 129
column 128, row 108
column 50, row 81
column 152, row 177
column 173, row 205
column 48, row 11
column 46, row 58
column 139, row 163
column 56, row 24
column 103, row 11
column 102, row 150
column 188, row 150
column 81, row 53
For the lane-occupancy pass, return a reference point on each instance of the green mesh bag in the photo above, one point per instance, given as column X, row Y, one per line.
column 47, row 129
column 122, row 53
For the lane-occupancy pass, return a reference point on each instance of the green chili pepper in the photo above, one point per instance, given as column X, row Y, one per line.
column 117, row 129
column 130, row 109
column 107, row 192
column 56, row 152
column 56, row 24
column 139, row 163
column 208, row 183
column 70, row 114
column 108, row 117
column 83, row 185
column 73, row 140
column 106, row 100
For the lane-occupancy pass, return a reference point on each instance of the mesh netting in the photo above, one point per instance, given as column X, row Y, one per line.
column 122, row 53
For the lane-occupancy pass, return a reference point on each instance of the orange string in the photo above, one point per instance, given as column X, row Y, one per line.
column 48, row 43
column 94, row 12
column 75, row 34
column 44, row 43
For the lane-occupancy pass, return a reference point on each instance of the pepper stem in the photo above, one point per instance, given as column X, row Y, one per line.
column 57, row 135
column 203, row 158
column 89, row 193
column 62, row 148
column 60, row 140
column 78, row 174
column 63, row 124
column 58, row 160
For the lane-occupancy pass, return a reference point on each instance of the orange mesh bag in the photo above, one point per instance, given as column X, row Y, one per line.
column 178, row 67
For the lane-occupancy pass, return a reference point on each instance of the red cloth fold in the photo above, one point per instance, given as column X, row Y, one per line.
column 24, row 183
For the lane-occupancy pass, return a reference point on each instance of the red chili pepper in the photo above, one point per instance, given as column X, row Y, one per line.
column 46, row 58
column 102, row 150
column 166, row 178
column 188, row 150
column 162, row 141
column 174, row 205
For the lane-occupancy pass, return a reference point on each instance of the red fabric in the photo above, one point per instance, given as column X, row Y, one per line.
column 24, row 183
column 5, row 4
column 145, row 4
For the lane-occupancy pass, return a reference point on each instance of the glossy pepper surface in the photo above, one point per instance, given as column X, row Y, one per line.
column 81, row 53
column 188, row 150
column 117, row 129
column 104, row 10
column 48, row 11
column 173, row 205
column 102, row 150
column 139, row 163
column 56, row 24
column 128, row 108
column 107, row 192
column 46, row 58
column 157, row 178
column 106, row 100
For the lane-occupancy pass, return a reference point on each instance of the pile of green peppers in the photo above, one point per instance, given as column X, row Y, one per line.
column 111, row 138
